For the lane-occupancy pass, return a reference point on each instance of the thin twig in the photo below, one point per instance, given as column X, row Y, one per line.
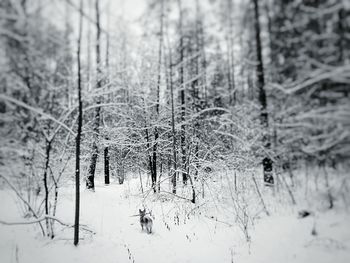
column 45, row 218
column 261, row 198
column 23, row 200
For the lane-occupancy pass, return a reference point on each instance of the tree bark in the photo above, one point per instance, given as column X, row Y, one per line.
column 47, row 163
column 150, row 162
column 182, row 98
column 78, row 137
column 156, row 133
column 230, row 68
column 266, row 162
column 106, row 149
column 106, row 164
column 90, row 182
column 174, row 161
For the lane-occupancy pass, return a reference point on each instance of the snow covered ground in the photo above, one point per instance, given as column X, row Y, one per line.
column 183, row 232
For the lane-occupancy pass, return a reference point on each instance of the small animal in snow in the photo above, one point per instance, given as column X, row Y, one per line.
column 145, row 221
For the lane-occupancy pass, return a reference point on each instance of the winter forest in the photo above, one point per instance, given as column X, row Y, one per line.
column 174, row 131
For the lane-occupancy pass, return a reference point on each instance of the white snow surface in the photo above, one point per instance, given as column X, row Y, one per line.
column 194, row 237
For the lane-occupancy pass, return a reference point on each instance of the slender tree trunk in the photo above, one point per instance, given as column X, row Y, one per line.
column 196, row 154
column 150, row 160
column 182, row 97
column 341, row 32
column 106, row 150
column 193, row 200
column 78, row 137
column 174, row 161
column 54, row 204
column 156, row 133
column 106, row 164
column 47, row 163
column 195, row 84
column 267, row 162
column 203, row 62
column 230, row 73
column 89, row 62
column 140, row 181
column 90, row 182
column 160, row 174
column 329, row 193
column 68, row 55
column 173, row 131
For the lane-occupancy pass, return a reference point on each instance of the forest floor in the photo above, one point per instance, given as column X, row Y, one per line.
column 182, row 232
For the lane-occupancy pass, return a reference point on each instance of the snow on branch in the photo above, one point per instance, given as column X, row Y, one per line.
column 83, row 227
column 326, row 145
column 35, row 110
column 338, row 74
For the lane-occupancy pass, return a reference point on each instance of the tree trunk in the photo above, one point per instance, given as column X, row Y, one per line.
column 68, row 55
column 156, row 134
column 267, row 162
column 47, row 162
column 182, row 98
column 90, row 183
column 89, row 62
column 230, row 66
column 106, row 165
column 193, row 200
column 150, row 162
column 174, row 161
column 78, row 138
column 106, row 150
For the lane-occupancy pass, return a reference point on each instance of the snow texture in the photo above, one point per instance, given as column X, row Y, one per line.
column 197, row 237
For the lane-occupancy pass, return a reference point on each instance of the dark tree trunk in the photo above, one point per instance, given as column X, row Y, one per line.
column 160, row 174
column 78, row 137
column 156, row 133
column 106, row 150
column 196, row 153
column 47, row 163
column 193, row 200
column 174, row 161
column 182, row 98
column 154, row 160
column 90, row 182
column 341, row 32
column 230, row 66
column 106, row 165
column 267, row 162
column 150, row 163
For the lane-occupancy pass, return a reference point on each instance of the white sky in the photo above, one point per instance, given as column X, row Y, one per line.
column 128, row 10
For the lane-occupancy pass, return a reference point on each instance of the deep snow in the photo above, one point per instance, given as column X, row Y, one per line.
column 179, row 235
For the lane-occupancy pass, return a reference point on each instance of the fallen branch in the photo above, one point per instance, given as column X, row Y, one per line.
column 83, row 227
column 178, row 196
column 219, row 221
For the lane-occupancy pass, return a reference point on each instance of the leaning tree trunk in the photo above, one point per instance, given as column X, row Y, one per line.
column 90, row 182
column 266, row 162
column 78, row 138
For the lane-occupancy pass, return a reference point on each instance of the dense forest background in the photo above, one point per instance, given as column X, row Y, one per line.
column 178, row 94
